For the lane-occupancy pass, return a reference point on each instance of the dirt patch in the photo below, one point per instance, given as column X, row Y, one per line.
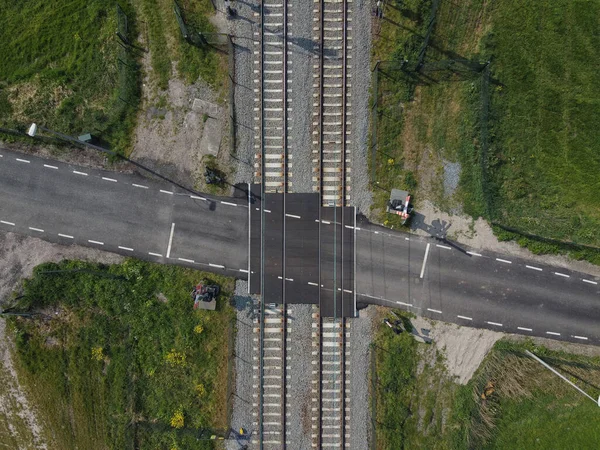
column 18, row 256
column 464, row 348
column 171, row 127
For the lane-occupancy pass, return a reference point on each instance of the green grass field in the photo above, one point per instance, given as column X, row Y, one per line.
column 60, row 68
column 418, row 405
column 546, row 140
column 121, row 359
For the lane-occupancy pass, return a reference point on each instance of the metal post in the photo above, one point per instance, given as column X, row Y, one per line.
column 563, row 377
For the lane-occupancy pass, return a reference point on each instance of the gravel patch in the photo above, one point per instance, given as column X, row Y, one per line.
column 303, row 56
column 451, row 177
column 299, row 388
column 242, row 28
column 243, row 412
column 361, row 335
column 360, row 195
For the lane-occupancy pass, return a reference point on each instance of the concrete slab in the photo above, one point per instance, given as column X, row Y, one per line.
column 211, row 137
column 203, row 106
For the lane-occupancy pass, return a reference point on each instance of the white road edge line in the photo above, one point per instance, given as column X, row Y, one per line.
column 36, row 229
column 562, row 274
column 50, row 167
column 465, row 317
column 155, row 254
column 524, row 329
column 425, row 260
column 443, row 246
column 534, row 268
column 191, row 261
column 434, row 310
column 23, row 160
column 126, row 248
column 166, row 192
column 66, row 236
column 7, row 223
column 553, row 333
column 76, row 172
column 293, row 216
column 109, row 179
column 170, row 240
column 216, row 265
column 589, row 281
column 494, row 323
column 503, row 261
column 228, row 203
column 95, row 242
column 140, row 186
column 580, row 337
column 474, row 254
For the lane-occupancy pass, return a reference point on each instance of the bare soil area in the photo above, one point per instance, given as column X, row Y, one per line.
column 179, row 127
column 20, row 427
column 464, row 348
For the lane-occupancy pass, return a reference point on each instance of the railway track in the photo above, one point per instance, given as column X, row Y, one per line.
column 271, row 404
column 272, row 68
column 330, row 428
column 331, row 116
column 273, row 172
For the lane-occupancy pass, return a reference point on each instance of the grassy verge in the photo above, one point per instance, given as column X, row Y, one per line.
column 413, row 391
column 512, row 402
column 527, row 405
column 60, row 68
column 167, row 45
column 121, row 360
column 426, row 121
column 546, row 137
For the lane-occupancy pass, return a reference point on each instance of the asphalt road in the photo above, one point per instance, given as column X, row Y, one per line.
column 152, row 220
column 481, row 289
column 122, row 213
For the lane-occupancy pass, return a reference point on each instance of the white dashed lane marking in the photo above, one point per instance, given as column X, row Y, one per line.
column 155, row 254
column 68, row 236
column 129, row 249
column 7, row 223
column 534, row 268
column 465, row 317
column 191, row 261
column 474, row 254
column 48, row 166
column 23, row 160
column 166, row 192
column 589, row 281
column 218, row 266
column 293, row 216
column 504, row 261
column 583, row 338
column 443, row 246
column 109, row 179
column 95, row 242
column 524, row 329
column 195, row 197
column 36, row 229
column 553, row 333
column 434, row 310
column 139, row 186
column 228, row 203
column 312, row 284
column 562, row 274
column 76, row 172
column 494, row 323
